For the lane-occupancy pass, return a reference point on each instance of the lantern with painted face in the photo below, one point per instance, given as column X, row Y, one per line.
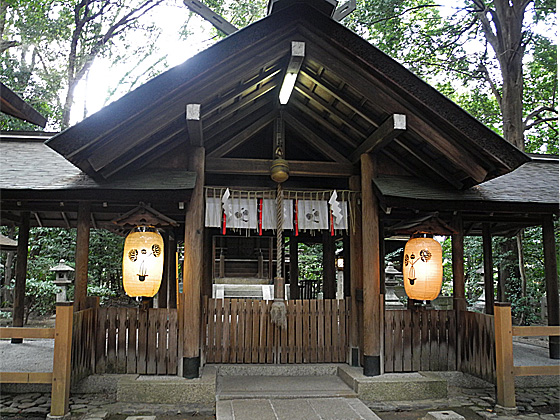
column 422, row 268
column 142, row 262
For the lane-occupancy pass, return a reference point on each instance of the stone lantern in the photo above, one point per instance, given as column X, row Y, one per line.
column 62, row 279
column 392, row 277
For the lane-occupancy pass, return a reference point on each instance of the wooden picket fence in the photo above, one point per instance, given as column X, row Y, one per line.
column 476, row 345
column 83, row 343
column 420, row 340
column 240, row 331
column 133, row 340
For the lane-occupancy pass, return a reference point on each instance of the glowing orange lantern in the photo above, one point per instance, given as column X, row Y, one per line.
column 422, row 268
column 142, row 262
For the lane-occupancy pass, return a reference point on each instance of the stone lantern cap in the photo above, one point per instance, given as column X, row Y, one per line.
column 391, row 270
column 62, row 271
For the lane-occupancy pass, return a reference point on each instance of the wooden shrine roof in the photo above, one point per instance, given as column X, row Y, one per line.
column 345, row 90
column 35, row 178
column 514, row 200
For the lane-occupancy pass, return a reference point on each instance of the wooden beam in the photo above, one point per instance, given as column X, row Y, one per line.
column 488, row 269
column 26, row 377
column 243, row 136
column 536, row 370
column 314, row 140
column 246, row 90
column 21, row 332
column 233, row 166
column 296, row 59
column 371, row 263
column 536, row 331
column 327, row 106
column 205, row 12
column 38, row 219
column 381, row 94
column 63, row 214
column 82, row 256
column 21, row 274
column 194, row 125
column 551, row 278
column 215, row 134
column 383, row 135
column 193, row 272
column 12, row 104
column 325, row 124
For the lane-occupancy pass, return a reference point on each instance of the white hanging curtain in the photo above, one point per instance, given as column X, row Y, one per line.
column 313, row 215
column 269, row 214
column 213, row 217
column 243, row 214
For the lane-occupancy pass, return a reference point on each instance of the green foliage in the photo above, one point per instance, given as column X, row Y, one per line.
column 310, row 261
column 105, row 293
column 40, row 297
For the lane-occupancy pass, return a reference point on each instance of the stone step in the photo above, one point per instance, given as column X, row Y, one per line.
column 282, row 387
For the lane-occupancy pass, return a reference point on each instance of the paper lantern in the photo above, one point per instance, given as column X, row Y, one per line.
column 422, row 268
column 142, row 262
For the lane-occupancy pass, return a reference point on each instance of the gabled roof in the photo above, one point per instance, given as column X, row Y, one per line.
column 345, row 90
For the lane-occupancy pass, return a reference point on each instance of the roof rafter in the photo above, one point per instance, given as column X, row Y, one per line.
column 383, row 135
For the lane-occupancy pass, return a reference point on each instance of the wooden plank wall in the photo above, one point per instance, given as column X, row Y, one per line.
column 131, row 340
column 419, row 340
column 240, row 331
column 83, row 344
column 477, row 354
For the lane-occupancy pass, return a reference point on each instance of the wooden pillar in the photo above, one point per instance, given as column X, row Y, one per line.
column 294, row 268
column 329, row 266
column 207, row 264
column 193, row 269
column 355, row 280
column 162, row 292
column 505, row 379
column 60, row 391
column 21, row 274
column 488, row 269
column 371, row 257
column 172, row 271
column 551, row 276
column 458, row 264
column 82, row 254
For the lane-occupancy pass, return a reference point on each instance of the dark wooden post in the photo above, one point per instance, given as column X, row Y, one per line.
column 294, row 268
column 193, row 269
column 162, row 292
column 371, row 257
column 329, row 268
column 172, row 271
column 82, row 253
column 458, row 264
column 355, row 280
column 551, row 275
column 488, row 269
column 21, row 274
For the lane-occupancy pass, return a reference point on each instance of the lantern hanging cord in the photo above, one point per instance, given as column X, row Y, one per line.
column 279, row 228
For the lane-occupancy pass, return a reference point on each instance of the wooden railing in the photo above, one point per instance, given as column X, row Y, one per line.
column 83, row 343
column 132, row 340
column 419, row 340
column 505, row 370
column 476, row 354
column 240, row 331
column 59, row 378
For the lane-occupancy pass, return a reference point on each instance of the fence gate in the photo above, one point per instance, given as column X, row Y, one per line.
column 240, row 331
